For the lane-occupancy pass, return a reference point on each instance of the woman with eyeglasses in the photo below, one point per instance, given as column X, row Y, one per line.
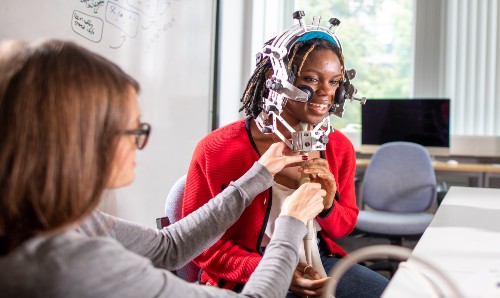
column 70, row 126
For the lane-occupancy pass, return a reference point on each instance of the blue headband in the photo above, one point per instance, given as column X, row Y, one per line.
column 317, row 34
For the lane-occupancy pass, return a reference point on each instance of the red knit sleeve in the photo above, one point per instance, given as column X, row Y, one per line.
column 208, row 173
column 342, row 161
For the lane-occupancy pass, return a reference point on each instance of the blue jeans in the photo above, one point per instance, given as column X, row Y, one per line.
column 357, row 282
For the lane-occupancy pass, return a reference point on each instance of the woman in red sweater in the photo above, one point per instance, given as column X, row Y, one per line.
column 222, row 156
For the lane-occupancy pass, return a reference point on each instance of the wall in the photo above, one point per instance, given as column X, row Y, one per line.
column 244, row 27
column 167, row 45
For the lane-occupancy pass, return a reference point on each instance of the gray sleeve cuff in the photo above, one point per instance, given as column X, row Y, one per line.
column 255, row 180
column 291, row 229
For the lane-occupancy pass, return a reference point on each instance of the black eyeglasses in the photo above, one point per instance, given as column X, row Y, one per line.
column 141, row 135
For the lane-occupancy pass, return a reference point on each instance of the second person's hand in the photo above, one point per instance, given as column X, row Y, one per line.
column 305, row 203
column 276, row 158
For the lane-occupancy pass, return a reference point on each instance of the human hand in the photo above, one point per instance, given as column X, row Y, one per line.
column 276, row 158
column 307, row 282
column 319, row 172
column 305, row 203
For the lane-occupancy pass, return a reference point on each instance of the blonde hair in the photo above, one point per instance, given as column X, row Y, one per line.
column 61, row 110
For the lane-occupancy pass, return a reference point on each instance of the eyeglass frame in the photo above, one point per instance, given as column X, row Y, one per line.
column 144, row 130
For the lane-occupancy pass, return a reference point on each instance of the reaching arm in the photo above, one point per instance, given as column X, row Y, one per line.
column 100, row 261
column 206, row 224
column 177, row 244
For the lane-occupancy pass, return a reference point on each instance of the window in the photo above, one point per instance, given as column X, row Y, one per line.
column 376, row 37
column 400, row 49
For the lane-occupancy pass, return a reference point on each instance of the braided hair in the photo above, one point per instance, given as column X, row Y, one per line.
column 256, row 89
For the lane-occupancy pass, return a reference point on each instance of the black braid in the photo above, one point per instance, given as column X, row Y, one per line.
column 256, row 89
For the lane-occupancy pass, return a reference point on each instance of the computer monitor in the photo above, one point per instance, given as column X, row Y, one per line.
column 424, row 121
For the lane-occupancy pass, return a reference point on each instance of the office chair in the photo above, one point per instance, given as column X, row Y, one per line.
column 398, row 187
column 173, row 209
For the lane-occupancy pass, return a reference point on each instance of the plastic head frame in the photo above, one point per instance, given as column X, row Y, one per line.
column 281, row 86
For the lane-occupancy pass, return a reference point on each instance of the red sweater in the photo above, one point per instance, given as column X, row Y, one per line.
column 226, row 154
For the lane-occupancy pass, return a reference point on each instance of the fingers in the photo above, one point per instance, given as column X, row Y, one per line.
column 319, row 172
column 275, row 160
column 310, row 191
column 305, row 203
column 310, row 271
column 276, row 149
column 318, row 167
column 311, row 284
column 304, row 285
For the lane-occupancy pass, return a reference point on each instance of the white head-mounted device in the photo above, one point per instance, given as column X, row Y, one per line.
column 281, row 86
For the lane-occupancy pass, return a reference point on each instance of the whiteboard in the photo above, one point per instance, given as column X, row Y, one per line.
column 167, row 45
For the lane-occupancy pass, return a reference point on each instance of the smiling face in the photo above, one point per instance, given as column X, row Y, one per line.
column 322, row 71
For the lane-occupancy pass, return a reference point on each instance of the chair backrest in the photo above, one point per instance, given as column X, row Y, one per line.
column 399, row 178
column 173, row 203
column 173, row 210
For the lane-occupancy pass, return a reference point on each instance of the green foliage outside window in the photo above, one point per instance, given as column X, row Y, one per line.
column 376, row 37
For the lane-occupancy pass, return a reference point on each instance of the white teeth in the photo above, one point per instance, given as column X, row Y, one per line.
column 319, row 105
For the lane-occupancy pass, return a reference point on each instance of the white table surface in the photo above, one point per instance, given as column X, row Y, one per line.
column 463, row 241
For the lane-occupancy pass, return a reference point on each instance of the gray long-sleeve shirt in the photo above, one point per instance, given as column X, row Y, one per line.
column 110, row 257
